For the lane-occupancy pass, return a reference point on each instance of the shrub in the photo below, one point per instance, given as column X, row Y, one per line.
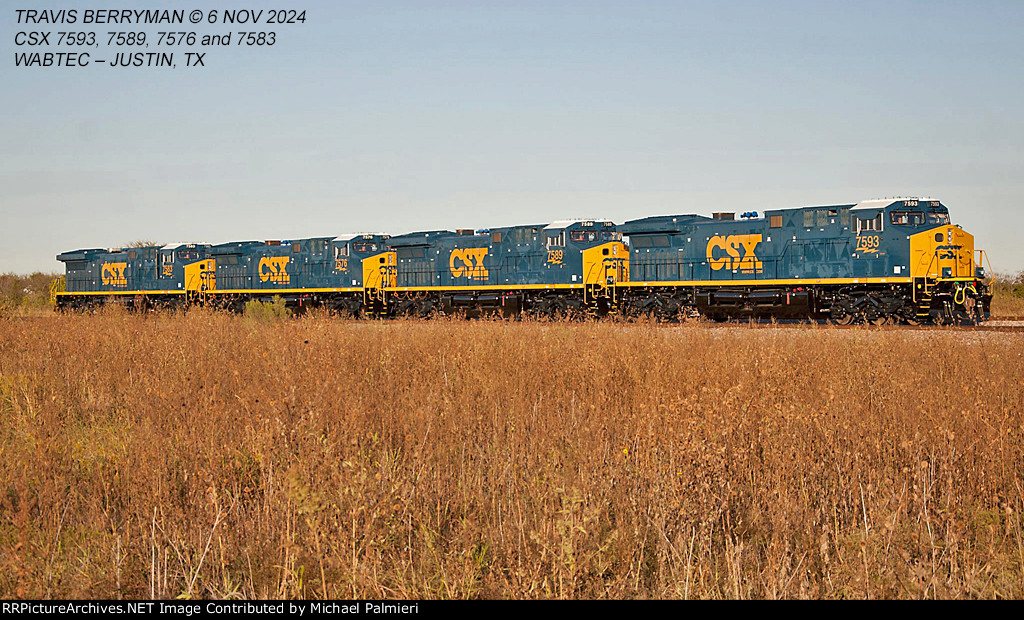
column 25, row 294
column 273, row 310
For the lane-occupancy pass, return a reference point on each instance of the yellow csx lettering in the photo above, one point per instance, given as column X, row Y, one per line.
column 739, row 253
column 274, row 269
column 468, row 263
column 113, row 274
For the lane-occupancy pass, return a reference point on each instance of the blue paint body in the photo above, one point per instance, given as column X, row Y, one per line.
column 314, row 263
column 516, row 255
column 805, row 243
column 146, row 269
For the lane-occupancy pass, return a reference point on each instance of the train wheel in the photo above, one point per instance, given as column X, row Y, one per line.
column 840, row 314
column 943, row 315
column 425, row 308
column 979, row 313
column 554, row 309
column 962, row 316
column 689, row 315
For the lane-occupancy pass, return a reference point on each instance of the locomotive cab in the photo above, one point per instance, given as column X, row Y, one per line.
column 365, row 261
column 184, row 265
column 599, row 259
column 350, row 252
column 948, row 279
column 604, row 259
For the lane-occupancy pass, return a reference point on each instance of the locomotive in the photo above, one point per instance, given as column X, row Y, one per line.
column 562, row 268
column 878, row 261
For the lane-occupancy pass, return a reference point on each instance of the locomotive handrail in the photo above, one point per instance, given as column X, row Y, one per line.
column 928, row 269
column 57, row 285
column 956, row 266
column 983, row 255
column 644, row 265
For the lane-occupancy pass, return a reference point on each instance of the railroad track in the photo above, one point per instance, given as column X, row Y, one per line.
column 984, row 327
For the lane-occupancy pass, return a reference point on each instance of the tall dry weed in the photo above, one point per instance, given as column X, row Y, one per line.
column 204, row 455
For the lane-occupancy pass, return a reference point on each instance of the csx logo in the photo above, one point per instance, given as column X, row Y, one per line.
column 274, row 269
column 735, row 252
column 113, row 274
column 948, row 251
column 468, row 263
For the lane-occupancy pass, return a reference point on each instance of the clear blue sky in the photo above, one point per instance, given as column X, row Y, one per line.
column 397, row 116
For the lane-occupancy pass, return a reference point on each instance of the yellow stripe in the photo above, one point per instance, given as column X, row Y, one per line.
column 770, row 282
column 235, row 291
column 518, row 287
column 485, row 287
column 72, row 293
column 356, row 289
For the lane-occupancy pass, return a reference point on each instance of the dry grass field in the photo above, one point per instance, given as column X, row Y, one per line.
column 1008, row 296
column 205, row 455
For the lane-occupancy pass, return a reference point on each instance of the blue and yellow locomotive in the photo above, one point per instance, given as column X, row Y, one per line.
column 341, row 273
column 879, row 261
column 560, row 269
column 158, row 272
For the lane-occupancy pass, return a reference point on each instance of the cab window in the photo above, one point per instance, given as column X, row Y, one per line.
column 583, row 236
column 904, row 218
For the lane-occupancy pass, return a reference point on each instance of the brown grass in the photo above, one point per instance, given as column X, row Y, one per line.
column 215, row 456
column 1008, row 296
